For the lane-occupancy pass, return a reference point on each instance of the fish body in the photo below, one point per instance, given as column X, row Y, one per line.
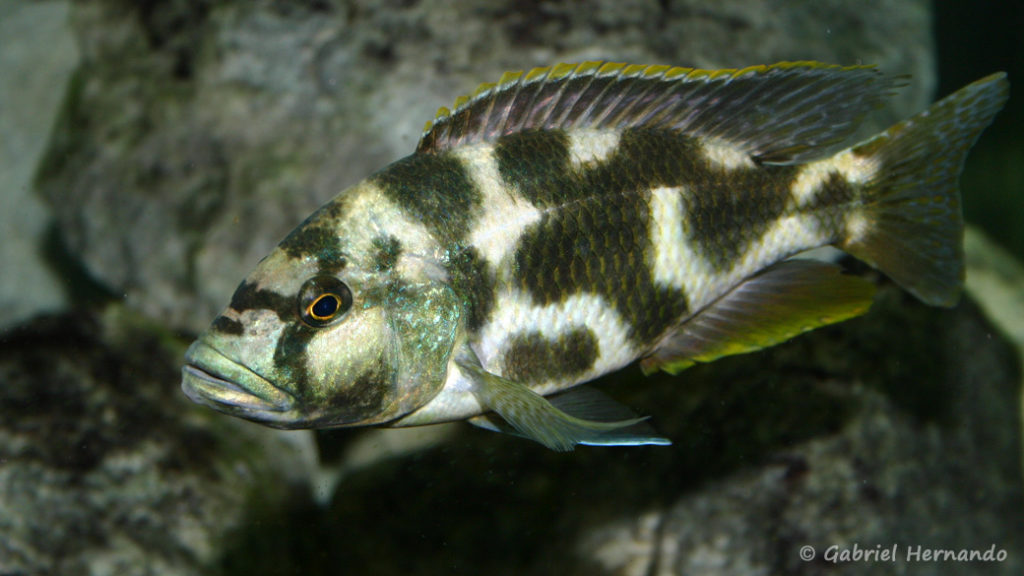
column 560, row 224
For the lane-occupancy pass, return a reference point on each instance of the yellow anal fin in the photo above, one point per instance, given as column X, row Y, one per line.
column 781, row 302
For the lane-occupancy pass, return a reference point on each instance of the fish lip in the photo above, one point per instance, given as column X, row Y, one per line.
column 209, row 378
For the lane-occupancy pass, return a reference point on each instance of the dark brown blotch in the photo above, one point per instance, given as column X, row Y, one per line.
column 226, row 325
column 435, row 190
column 473, row 280
column 318, row 241
column 728, row 210
column 596, row 239
column 363, row 399
column 533, row 358
column 249, row 297
column 831, row 205
column 387, row 250
column 836, row 191
column 536, row 163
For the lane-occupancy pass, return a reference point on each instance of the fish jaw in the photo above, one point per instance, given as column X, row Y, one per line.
column 212, row 379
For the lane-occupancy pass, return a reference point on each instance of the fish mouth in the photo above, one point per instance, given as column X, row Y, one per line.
column 212, row 379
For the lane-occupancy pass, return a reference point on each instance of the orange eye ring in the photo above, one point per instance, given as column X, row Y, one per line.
column 323, row 300
column 324, row 308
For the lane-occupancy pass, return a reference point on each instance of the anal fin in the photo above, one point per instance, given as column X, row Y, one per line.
column 783, row 301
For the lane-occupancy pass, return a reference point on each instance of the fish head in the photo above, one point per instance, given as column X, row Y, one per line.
column 324, row 338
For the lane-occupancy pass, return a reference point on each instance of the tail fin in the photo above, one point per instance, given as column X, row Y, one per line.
column 912, row 226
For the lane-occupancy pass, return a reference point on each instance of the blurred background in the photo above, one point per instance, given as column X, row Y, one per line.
column 968, row 34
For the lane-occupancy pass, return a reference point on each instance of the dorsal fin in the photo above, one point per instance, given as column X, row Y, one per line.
column 784, row 113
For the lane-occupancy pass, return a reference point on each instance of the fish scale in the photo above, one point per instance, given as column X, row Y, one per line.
column 560, row 224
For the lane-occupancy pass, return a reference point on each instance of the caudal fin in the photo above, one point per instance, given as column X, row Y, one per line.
column 912, row 226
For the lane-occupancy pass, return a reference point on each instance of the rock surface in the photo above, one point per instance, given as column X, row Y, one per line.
column 106, row 469
column 37, row 58
column 198, row 133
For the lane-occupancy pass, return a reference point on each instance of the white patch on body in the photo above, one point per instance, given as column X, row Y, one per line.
column 786, row 236
column 370, row 214
column 809, row 181
column 515, row 314
column 857, row 170
column 505, row 214
column 280, row 273
column 455, row 401
column 857, row 226
column 588, row 146
column 725, row 155
column 676, row 264
column 343, row 352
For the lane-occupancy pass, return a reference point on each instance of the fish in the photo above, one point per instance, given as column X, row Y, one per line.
column 566, row 222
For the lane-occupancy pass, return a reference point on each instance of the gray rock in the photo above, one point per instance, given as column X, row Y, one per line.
column 37, row 57
column 883, row 483
column 105, row 469
column 198, row 134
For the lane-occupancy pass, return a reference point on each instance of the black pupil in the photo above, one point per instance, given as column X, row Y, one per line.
column 325, row 306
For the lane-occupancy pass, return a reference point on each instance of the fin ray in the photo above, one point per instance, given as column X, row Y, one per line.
column 783, row 301
column 788, row 112
column 592, row 404
column 587, row 402
column 534, row 417
column 912, row 221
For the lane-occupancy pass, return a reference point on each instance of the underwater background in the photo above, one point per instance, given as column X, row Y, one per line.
column 151, row 152
column 969, row 35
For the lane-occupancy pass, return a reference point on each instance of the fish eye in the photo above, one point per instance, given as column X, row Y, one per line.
column 323, row 300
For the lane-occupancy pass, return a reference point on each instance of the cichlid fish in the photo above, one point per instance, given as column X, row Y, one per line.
column 560, row 224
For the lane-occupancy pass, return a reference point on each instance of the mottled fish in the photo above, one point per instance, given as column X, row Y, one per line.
column 560, row 224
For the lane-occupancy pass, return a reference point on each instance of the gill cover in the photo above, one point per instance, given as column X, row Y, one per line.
column 385, row 358
column 423, row 319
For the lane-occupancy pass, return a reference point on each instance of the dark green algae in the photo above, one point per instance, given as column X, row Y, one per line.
column 484, row 500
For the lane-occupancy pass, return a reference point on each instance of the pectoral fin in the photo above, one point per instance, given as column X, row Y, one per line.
column 784, row 301
column 592, row 404
column 587, row 403
column 531, row 415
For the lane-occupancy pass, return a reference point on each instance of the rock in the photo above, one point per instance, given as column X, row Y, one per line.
column 198, row 133
column 106, row 469
column 37, row 57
